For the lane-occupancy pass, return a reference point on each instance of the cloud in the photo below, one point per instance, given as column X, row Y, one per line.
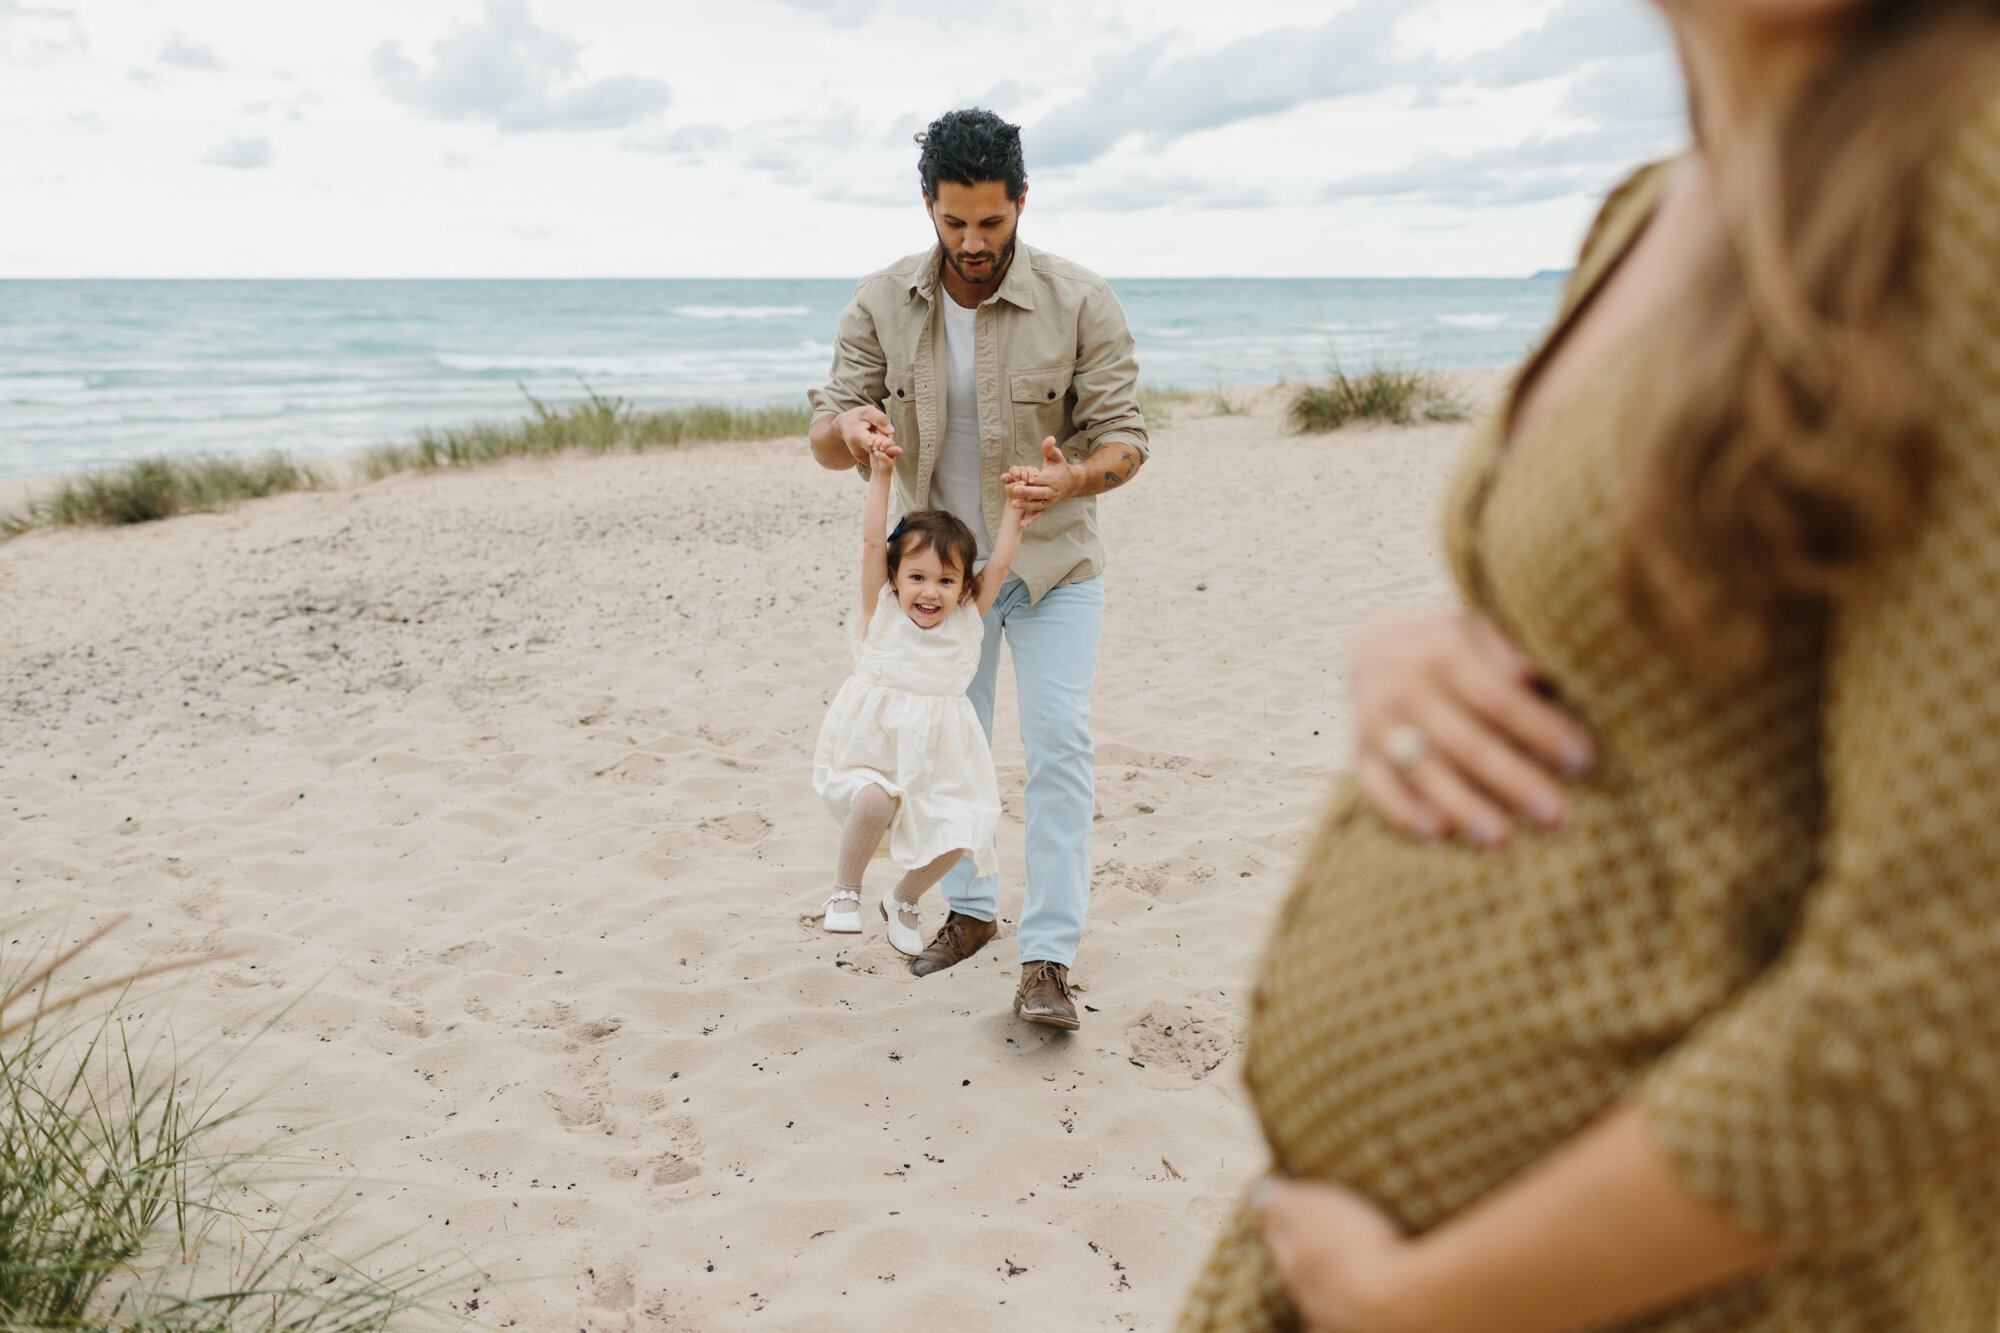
column 1158, row 98
column 1138, row 194
column 1139, row 92
column 1575, row 33
column 240, row 154
column 516, row 75
column 38, row 32
column 836, row 11
column 183, row 56
column 689, row 142
column 848, row 13
column 1586, row 162
column 280, row 108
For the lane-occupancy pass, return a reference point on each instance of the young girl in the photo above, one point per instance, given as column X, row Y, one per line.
column 901, row 751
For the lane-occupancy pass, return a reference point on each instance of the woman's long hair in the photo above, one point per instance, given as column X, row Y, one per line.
column 1786, row 448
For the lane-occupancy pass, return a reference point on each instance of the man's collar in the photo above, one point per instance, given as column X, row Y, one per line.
column 1016, row 286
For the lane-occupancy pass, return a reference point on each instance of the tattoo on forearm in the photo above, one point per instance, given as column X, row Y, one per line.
column 1112, row 481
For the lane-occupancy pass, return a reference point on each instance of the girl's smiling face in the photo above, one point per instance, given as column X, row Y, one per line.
column 926, row 588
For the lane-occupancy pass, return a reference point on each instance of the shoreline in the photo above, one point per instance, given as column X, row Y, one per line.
column 343, row 468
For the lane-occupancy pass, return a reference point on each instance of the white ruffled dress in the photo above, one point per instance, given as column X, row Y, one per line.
column 903, row 723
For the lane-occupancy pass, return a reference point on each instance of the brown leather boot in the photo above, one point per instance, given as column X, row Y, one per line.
column 959, row 938
column 1044, row 996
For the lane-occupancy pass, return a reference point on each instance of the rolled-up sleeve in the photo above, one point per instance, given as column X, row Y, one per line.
column 1857, row 1082
column 1106, row 379
column 859, row 375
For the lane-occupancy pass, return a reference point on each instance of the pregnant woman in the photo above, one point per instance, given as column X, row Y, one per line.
column 1648, row 971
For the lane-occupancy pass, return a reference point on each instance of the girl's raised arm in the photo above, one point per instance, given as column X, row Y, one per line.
column 1005, row 545
column 875, row 536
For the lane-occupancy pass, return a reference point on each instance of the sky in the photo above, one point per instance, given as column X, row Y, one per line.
column 766, row 138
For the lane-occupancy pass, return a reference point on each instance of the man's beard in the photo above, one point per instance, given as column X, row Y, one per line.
column 1001, row 262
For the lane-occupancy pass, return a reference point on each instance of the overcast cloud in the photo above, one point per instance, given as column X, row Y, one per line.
column 417, row 137
column 509, row 71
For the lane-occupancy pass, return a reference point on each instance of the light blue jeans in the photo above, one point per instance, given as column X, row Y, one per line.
column 1054, row 645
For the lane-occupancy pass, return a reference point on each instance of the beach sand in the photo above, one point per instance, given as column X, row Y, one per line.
column 495, row 787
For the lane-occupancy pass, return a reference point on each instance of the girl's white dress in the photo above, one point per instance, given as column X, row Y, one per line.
column 902, row 722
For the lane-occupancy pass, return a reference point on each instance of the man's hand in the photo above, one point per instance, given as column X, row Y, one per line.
column 855, row 436
column 867, row 432
column 1058, row 479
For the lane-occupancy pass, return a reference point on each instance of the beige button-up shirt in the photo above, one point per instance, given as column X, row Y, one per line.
column 1052, row 356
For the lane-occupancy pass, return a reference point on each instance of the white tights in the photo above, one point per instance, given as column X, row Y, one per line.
column 867, row 820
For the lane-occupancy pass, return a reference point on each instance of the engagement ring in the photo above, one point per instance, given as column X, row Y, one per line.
column 1405, row 746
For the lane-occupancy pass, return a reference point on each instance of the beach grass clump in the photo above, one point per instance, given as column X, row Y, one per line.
column 1158, row 401
column 597, row 425
column 1398, row 397
column 120, row 1211
column 150, row 488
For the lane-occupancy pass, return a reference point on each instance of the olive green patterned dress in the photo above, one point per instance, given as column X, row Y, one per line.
column 1774, row 916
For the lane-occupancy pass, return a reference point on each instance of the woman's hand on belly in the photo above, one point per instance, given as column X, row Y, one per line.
column 1451, row 735
column 1338, row 1256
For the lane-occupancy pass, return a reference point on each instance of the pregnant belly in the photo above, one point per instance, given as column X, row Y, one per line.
column 1430, row 1019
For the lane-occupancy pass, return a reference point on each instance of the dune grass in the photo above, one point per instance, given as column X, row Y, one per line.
column 1398, row 397
column 597, row 425
column 152, row 488
column 1158, row 401
column 119, row 1212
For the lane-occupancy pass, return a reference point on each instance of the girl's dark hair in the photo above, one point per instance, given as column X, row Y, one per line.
column 936, row 530
column 969, row 147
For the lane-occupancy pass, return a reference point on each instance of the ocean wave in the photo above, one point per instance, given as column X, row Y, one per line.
column 690, row 365
column 1471, row 321
column 742, row 311
column 39, row 388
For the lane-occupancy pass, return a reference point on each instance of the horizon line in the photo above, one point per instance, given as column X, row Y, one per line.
column 787, row 277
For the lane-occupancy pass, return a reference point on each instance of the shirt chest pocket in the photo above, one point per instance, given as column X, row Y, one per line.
column 1041, row 408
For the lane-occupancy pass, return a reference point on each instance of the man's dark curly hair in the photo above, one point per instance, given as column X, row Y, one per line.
column 969, row 147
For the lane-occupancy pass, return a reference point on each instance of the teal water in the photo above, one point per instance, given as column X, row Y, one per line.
column 94, row 372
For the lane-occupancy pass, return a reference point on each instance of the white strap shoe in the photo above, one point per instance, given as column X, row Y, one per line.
column 842, row 919
column 905, row 925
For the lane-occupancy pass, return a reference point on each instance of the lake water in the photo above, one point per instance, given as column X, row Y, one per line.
column 96, row 371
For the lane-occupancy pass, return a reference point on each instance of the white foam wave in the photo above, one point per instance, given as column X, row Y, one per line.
column 39, row 388
column 690, row 365
column 742, row 311
column 1471, row 321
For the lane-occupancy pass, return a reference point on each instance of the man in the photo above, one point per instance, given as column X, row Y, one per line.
column 963, row 361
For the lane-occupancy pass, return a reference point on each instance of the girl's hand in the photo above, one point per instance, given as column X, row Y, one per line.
column 1340, row 1259
column 1057, row 479
column 1450, row 734
column 1021, row 516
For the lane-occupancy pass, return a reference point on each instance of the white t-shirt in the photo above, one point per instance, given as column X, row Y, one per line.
column 955, row 476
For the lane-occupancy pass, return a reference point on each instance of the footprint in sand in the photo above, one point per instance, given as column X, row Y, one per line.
column 677, row 1163
column 1176, row 1049
column 744, row 826
column 579, row 1112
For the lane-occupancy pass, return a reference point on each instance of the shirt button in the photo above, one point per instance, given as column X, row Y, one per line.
column 899, row 393
column 1052, row 393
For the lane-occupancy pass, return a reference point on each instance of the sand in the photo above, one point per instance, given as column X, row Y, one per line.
column 495, row 789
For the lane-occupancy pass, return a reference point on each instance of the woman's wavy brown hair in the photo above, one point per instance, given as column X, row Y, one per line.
column 1788, row 449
